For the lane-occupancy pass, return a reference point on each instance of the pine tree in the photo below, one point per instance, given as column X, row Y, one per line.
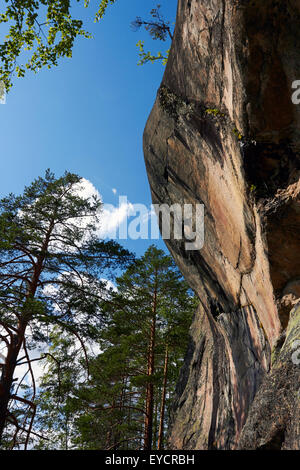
column 127, row 401
column 51, row 262
column 65, row 368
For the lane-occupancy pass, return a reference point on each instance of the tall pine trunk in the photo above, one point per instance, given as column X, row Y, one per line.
column 17, row 337
column 163, row 401
column 150, row 371
column 7, row 375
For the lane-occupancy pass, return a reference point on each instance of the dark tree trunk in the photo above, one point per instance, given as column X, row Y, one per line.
column 17, row 338
column 150, row 372
column 7, row 375
column 163, row 402
column 150, row 390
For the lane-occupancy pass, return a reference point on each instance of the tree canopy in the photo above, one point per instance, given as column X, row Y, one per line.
column 159, row 29
column 51, row 268
column 45, row 29
column 40, row 33
column 125, row 404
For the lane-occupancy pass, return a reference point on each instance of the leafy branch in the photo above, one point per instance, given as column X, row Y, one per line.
column 159, row 29
column 149, row 57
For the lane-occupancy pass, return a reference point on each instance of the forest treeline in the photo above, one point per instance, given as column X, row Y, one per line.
column 92, row 337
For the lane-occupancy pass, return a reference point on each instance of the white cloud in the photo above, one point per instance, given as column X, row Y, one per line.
column 114, row 220
column 86, row 189
column 111, row 216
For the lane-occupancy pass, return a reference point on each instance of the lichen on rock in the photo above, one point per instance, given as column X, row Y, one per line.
column 173, row 105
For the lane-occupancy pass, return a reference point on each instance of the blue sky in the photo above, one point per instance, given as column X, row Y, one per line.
column 88, row 114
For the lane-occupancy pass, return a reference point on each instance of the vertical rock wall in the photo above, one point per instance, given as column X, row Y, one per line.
column 224, row 133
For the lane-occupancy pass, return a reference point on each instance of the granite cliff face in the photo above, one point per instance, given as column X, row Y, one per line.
column 224, row 132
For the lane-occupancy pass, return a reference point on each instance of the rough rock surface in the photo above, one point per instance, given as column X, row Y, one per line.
column 224, row 133
column 274, row 421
